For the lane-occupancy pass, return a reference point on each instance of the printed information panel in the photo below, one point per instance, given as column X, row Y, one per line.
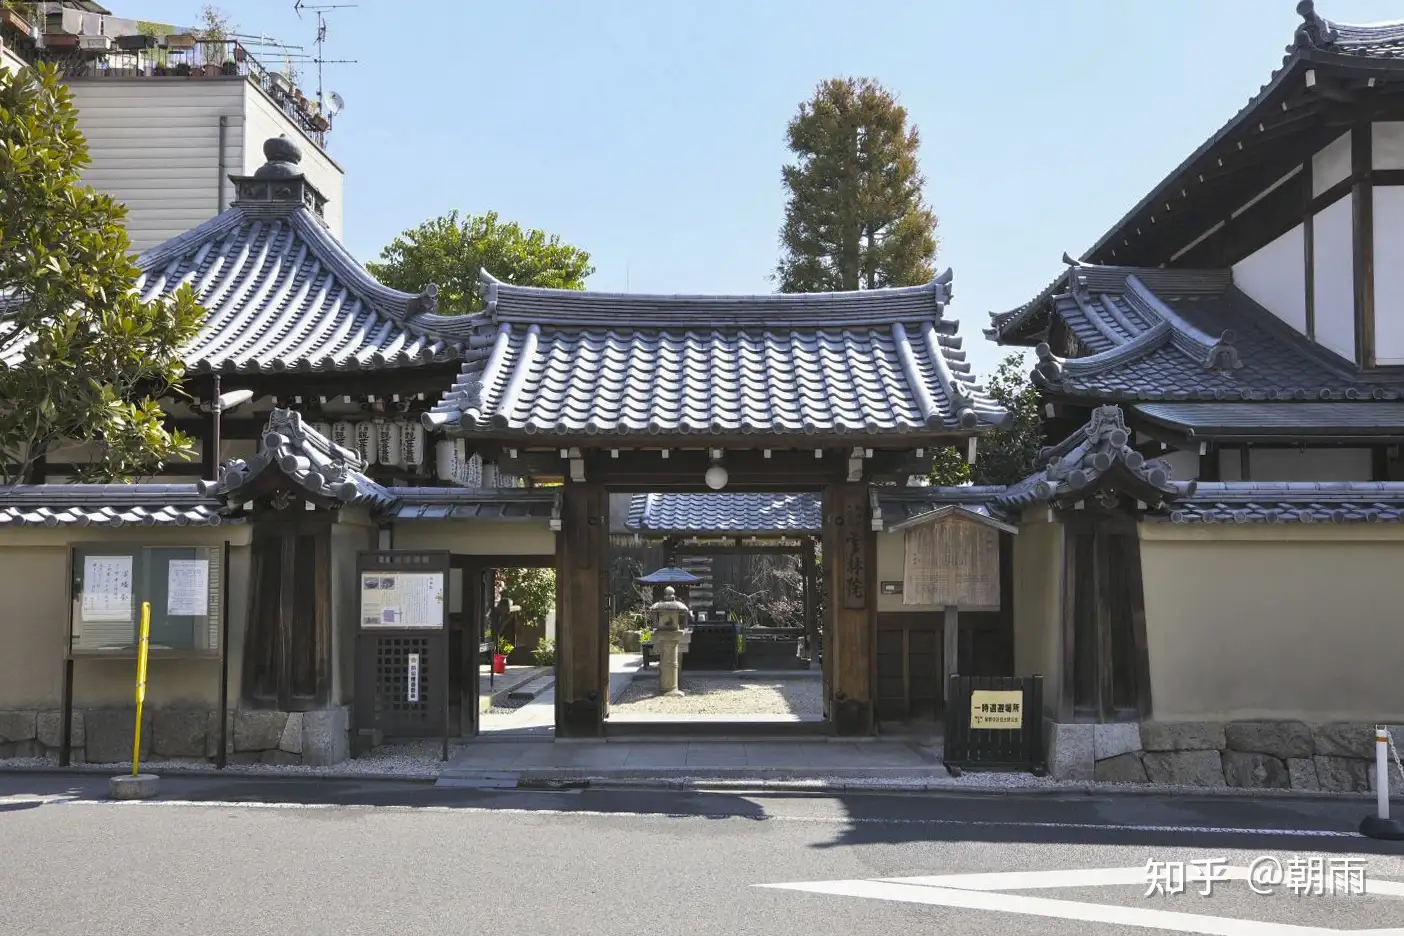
column 402, row 599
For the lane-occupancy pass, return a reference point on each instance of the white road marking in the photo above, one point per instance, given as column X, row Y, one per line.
column 823, row 820
column 1067, row 909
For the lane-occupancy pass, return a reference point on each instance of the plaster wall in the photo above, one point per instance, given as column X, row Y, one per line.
column 1388, row 203
column 34, row 621
column 1333, row 269
column 1272, row 622
column 1274, row 276
column 1038, row 603
column 476, row 538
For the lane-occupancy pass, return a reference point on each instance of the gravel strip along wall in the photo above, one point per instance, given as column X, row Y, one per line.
column 104, row 736
column 1289, row 755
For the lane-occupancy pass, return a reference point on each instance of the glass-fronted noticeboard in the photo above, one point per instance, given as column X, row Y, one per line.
column 182, row 583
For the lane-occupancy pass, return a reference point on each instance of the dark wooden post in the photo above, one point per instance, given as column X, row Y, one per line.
column 850, row 549
column 209, row 445
column 807, row 565
column 582, row 680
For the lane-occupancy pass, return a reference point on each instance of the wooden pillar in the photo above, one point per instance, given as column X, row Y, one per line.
column 811, row 623
column 582, row 667
column 950, row 649
column 850, row 552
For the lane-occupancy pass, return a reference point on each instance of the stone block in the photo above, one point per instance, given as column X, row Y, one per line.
column 291, row 741
column 1281, row 739
column 179, row 732
column 1184, row 768
column 142, row 786
column 258, row 730
column 1112, row 740
column 1123, row 768
column 108, row 735
column 1342, row 774
column 1258, row 771
column 17, row 725
column 1301, row 773
column 1070, row 751
column 48, row 727
column 1344, row 739
column 1182, row 736
column 324, row 737
column 244, row 757
column 277, row 756
column 212, row 733
column 30, row 748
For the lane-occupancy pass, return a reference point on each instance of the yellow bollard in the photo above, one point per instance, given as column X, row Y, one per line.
column 141, row 680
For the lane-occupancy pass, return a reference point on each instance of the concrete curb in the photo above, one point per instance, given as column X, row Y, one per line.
column 499, row 696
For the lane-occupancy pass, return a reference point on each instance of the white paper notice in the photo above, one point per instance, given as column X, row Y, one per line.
column 188, row 588
column 107, row 588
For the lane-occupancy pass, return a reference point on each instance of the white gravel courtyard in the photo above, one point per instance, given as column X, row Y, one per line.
column 723, row 695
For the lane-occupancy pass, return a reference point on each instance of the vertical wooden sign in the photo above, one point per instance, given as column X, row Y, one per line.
column 855, row 565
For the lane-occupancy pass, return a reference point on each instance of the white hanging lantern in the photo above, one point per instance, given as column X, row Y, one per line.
column 411, row 443
column 446, row 460
column 472, row 467
column 322, row 429
column 344, row 435
column 367, row 439
column 388, row 442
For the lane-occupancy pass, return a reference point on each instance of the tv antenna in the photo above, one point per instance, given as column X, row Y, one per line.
column 320, row 10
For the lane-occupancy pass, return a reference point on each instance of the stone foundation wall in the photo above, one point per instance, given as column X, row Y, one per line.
column 1287, row 755
column 105, row 736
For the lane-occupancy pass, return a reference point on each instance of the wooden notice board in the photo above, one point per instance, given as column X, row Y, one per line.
column 952, row 562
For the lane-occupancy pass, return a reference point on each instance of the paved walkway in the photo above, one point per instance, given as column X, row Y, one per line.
column 537, row 719
column 691, row 760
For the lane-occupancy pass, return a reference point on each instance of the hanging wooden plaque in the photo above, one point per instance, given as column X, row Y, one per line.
column 952, row 562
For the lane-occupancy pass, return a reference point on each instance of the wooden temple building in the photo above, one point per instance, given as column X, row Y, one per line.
column 1202, row 547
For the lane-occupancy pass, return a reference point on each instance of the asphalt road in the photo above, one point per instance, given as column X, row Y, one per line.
column 244, row 856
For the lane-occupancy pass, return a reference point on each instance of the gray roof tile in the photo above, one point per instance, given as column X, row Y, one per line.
column 563, row 361
column 451, row 503
column 109, row 505
column 1196, row 337
column 283, row 294
column 738, row 513
column 1290, row 502
column 1365, row 418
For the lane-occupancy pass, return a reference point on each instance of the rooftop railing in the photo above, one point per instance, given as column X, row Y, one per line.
column 177, row 59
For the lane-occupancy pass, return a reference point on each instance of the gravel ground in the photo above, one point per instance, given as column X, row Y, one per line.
column 724, row 695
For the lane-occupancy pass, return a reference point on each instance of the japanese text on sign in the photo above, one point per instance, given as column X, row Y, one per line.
column 1299, row 876
column 413, row 678
column 991, row 709
column 402, row 599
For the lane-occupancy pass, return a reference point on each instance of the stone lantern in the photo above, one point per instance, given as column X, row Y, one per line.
column 672, row 628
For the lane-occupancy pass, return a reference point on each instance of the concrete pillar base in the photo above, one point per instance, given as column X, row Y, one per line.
column 127, row 787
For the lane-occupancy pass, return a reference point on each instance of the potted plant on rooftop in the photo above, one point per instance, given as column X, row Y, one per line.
column 215, row 35
column 12, row 15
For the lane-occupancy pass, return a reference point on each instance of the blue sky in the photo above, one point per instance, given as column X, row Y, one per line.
column 652, row 133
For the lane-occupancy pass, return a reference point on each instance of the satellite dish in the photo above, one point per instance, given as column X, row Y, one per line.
column 337, row 105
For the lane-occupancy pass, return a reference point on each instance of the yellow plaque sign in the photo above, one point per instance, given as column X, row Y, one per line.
column 990, row 709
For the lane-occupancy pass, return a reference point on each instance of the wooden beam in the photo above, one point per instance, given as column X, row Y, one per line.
column 1309, row 252
column 683, row 470
column 1362, row 197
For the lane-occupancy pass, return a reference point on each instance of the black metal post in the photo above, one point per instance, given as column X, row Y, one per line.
column 224, row 579
column 209, row 453
column 66, row 745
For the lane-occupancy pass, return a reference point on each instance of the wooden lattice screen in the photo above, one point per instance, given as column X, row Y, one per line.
column 952, row 562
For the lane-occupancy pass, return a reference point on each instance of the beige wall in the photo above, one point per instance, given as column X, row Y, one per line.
column 34, row 620
column 1273, row 621
column 473, row 538
column 891, row 567
column 1038, row 602
column 348, row 537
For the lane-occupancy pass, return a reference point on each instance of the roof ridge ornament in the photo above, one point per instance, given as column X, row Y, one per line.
column 1223, row 356
column 942, row 287
column 279, row 186
column 1315, row 32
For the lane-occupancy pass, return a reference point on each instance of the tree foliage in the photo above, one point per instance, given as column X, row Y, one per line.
column 85, row 357
column 450, row 251
column 534, row 590
column 1002, row 456
column 854, row 217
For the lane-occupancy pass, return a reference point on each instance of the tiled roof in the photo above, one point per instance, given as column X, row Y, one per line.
column 305, row 457
column 284, row 295
column 898, row 507
column 1362, row 418
column 109, row 505
column 670, row 576
column 447, row 503
column 882, row 361
column 1095, row 457
column 739, row 513
column 1291, row 502
column 1186, row 335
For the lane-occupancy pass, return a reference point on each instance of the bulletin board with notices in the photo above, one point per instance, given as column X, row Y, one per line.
column 184, row 585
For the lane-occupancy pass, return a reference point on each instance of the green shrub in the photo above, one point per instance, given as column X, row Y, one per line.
column 544, row 653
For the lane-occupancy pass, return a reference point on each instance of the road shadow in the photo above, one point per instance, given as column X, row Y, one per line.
column 1321, row 826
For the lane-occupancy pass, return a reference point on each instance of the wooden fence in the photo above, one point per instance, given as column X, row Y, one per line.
column 995, row 723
